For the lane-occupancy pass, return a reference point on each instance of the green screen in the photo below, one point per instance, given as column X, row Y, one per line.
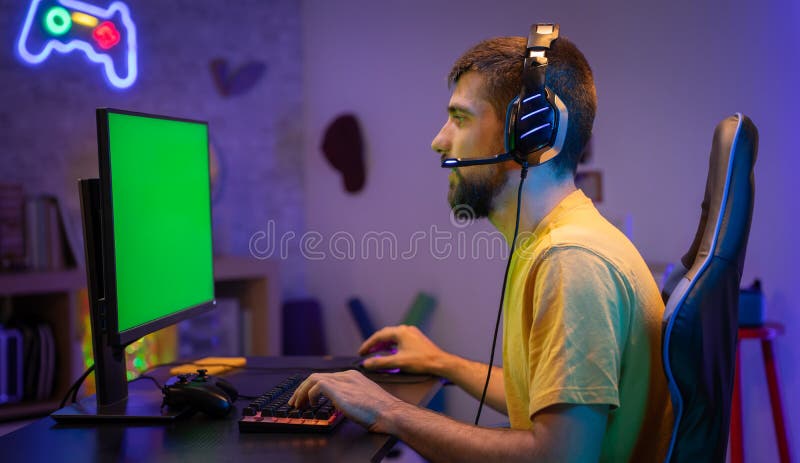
column 162, row 216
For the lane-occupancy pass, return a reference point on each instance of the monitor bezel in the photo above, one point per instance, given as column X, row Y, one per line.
column 109, row 298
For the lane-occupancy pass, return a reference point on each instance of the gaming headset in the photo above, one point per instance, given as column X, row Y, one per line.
column 532, row 118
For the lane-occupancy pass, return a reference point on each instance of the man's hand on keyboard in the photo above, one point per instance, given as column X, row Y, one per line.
column 415, row 352
column 356, row 396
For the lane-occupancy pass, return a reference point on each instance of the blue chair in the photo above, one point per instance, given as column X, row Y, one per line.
column 701, row 316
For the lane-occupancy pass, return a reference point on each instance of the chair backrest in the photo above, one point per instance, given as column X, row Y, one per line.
column 701, row 316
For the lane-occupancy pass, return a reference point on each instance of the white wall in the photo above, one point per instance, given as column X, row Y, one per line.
column 666, row 73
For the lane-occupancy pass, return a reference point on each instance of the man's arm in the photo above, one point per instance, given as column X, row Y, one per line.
column 471, row 377
column 562, row 433
column 417, row 354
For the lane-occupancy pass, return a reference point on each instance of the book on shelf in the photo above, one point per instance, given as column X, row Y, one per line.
column 27, row 362
column 48, row 246
column 12, row 231
column 10, row 365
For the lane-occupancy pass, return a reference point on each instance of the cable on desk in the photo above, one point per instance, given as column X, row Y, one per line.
column 75, row 386
column 155, row 381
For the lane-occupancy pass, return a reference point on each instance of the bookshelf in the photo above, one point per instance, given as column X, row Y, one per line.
column 52, row 297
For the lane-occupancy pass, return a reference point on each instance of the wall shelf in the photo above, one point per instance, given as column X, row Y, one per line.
column 41, row 282
column 52, row 297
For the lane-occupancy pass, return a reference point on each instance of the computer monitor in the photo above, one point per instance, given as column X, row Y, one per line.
column 147, row 234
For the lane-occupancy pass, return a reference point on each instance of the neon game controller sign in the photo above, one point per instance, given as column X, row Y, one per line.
column 106, row 36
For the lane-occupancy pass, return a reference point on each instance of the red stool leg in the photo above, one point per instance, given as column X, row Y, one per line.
column 737, row 435
column 775, row 400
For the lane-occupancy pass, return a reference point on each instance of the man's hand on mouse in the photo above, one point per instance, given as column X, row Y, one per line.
column 359, row 398
column 415, row 352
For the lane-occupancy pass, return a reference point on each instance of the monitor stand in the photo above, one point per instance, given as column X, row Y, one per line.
column 143, row 404
column 115, row 400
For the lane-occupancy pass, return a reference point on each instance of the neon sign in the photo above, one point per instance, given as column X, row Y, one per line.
column 106, row 36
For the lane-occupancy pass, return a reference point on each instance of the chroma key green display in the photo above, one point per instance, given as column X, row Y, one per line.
column 161, row 216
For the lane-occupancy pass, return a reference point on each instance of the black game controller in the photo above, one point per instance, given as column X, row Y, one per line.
column 201, row 392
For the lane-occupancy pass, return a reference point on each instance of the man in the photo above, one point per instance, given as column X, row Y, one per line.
column 582, row 377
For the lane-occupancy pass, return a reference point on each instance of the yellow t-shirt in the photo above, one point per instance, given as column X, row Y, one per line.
column 582, row 325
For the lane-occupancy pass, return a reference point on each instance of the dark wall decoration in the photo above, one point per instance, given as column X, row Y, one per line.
column 236, row 81
column 343, row 147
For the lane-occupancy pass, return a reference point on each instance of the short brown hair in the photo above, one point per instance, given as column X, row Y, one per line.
column 499, row 61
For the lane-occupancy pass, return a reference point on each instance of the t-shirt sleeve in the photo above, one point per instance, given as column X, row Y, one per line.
column 579, row 324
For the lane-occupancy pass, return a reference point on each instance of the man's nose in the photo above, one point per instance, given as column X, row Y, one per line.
column 441, row 142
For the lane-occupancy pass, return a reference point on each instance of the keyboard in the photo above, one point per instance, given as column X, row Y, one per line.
column 270, row 412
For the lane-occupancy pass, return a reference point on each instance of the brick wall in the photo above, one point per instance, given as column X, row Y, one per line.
column 47, row 122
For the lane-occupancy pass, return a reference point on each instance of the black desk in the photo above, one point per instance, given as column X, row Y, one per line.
column 198, row 438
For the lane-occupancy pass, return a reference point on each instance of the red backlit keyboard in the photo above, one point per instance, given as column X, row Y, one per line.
column 271, row 413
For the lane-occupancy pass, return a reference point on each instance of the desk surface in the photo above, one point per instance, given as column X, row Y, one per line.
column 199, row 438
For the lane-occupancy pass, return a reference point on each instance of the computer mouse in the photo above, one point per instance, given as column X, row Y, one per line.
column 378, row 353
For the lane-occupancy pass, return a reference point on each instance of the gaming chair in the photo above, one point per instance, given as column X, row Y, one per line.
column 701, row 318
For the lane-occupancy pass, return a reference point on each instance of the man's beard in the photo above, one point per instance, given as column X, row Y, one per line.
column 477, row 191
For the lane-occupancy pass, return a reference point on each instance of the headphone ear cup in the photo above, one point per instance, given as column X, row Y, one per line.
column 535, row 123
column 510, row 126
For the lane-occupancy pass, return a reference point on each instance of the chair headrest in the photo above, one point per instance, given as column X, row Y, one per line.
column 728, row 202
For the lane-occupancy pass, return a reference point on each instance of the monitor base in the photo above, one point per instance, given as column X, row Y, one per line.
column 141, row 405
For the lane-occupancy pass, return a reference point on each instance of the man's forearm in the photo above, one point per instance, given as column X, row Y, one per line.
column 471, row 376
column 439, row 438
